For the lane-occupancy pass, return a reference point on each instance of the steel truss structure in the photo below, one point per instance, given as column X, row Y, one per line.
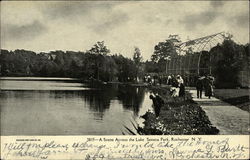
column 190, row 52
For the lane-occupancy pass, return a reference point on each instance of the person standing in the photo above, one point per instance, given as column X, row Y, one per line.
column 199, row 87
column 169, row 79
column 208, row 86
column 182, row 90
column 180, row 82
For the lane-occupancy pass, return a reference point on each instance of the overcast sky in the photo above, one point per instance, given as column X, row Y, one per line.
column 76, row 26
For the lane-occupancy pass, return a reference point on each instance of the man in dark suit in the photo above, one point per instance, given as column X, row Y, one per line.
column 199, row 87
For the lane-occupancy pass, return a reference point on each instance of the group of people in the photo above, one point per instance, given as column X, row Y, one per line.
column 177, row 86
column 150, row 80
column 178, row 89
column 155, row 79
column 205, row 83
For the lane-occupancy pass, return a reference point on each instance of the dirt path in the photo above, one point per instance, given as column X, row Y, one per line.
column 229, row 119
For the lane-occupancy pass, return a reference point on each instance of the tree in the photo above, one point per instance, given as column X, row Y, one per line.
column 151, row 66
column 166, row 50
column 228, row 66
column 247, row 56
column 99, row 48
column 137, row 56
column 108, row 69
column 126, row 69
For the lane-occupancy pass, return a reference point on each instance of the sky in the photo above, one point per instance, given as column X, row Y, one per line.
column 122, row 25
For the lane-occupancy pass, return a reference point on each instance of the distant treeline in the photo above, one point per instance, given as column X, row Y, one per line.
column 67, row 64
column 226, row 61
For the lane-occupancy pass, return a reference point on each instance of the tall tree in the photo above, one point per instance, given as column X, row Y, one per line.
column 166, row 50
column 99, row 50
column 137, row 58
column 229, row 64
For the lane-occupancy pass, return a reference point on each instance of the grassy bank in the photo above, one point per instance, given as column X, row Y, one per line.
column 178, row 116
column 236, row 97
column 240, row 102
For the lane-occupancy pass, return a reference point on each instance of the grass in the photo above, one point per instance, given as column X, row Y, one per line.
column 231, row 93
column 236, row 97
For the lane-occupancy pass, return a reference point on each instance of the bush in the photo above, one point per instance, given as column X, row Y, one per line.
column 177, row 117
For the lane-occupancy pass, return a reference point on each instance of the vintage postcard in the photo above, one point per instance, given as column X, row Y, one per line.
column 124, row 80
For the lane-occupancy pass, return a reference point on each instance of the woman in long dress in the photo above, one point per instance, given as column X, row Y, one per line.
column 181, row 86
column 208, row 86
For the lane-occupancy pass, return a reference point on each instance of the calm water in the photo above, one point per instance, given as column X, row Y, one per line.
column 52, row 106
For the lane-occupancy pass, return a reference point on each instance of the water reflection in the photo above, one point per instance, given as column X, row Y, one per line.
column 131, row 97
column 81, row 109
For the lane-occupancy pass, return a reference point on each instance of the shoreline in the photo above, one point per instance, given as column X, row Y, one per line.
column 178, row 116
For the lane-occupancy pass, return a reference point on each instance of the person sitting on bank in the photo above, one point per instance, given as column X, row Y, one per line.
column 158, row 103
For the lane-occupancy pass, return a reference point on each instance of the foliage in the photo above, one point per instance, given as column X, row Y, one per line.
column 99, row 48
column 225, row 61
column 229, row 64
column 99, row 63
column 95, row 64
column 246, row 56
column 151, row 66
column 137, row 58
column 126, row 68
column 177, row 117
column 166, row 50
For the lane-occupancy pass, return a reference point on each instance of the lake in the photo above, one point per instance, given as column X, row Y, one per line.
column 65, row 106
